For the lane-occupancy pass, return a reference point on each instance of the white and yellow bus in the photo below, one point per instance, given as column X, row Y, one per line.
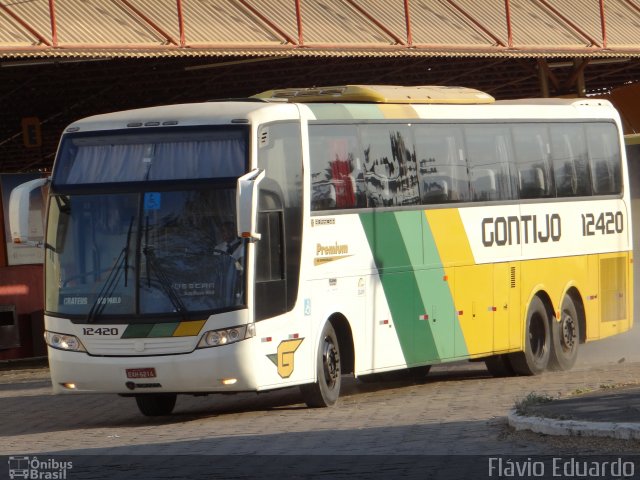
column 381, row 229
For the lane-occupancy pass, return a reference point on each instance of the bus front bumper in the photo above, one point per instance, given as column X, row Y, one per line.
column 220, row 369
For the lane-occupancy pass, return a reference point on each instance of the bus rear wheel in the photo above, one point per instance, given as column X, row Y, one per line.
column 156, row 404
column 565, row 337
column 326, row 390
column 537, row 342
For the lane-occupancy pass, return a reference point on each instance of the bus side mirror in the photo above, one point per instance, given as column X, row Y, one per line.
column 19, row 205
column 247, row 204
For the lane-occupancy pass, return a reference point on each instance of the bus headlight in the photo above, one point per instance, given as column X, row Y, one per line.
column 61, row 341
column 225, row 336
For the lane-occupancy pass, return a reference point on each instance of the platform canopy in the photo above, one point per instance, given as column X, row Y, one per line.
column 327, row 28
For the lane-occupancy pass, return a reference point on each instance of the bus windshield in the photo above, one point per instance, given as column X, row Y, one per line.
column 141, row 254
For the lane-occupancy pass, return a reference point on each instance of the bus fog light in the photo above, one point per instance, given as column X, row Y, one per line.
column 61, row 341
column 215, row 338
column 228, row 381
column 69, row 386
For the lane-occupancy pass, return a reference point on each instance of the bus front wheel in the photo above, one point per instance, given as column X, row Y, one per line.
column 326, row 390
column 537, row 341
column 565, row 337
column 156, row 404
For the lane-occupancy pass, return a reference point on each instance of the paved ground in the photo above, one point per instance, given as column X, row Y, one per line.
column 456, row 410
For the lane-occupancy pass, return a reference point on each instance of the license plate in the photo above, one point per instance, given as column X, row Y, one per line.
column 141, row 372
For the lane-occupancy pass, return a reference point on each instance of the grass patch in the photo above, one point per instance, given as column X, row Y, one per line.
column 531, row 400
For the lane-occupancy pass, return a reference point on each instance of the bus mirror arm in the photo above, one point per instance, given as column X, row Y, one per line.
column 19, row 204
column 247, row 204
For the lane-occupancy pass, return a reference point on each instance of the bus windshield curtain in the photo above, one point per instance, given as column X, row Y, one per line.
column 161, row 161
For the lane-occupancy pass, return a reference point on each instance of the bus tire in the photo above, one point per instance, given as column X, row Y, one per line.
column 326, row 390
column 565, row 337
column 156, row 404
column 499, row 366
column 537, row 341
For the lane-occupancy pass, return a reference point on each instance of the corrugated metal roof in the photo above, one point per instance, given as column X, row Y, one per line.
column 623, row 24
column 11, row 34
column 337, row 28
column 223, row 22
column 457, row 29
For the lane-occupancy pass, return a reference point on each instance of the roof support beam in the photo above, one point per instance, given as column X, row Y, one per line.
column 507, row 9
column 269, row 23
column 374, row 21
column 484, row 29
column 54, row 28
column 576, row 78
column 566, row 20
column 408, row 23
column 148, row 21
column 543, row 77
column 183, row 40
column 299, row 23
column 603, row 23
column 633, row 5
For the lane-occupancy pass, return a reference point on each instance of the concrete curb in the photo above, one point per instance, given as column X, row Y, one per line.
column 576, row 428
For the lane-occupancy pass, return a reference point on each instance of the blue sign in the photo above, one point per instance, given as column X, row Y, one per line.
column 152, row 201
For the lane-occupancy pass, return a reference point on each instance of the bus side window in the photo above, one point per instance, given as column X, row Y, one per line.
column 570, row 160
column 442, row 168
column 337, row 179
column 389, row 165
column 484, row 184
column 489, row 152
column 532, row 155
column 604, row 156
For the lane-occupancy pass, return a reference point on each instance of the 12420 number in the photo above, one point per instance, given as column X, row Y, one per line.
column 607, row 223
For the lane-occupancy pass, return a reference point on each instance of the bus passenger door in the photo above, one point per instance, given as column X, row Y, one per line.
column 474, row 307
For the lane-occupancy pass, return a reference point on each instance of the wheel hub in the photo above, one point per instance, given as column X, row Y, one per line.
column 568, row 336
column 331, row 362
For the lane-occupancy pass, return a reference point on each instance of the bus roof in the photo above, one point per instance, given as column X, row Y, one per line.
column 632, row 139
column 423, row 94
column 204, row 113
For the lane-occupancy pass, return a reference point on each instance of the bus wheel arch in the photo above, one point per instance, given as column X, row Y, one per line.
column 330, row 364
column 567, row 332
column 345, row 339
column 534, row 358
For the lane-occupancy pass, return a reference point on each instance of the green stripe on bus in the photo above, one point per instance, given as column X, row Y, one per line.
column 436, row 293
column 365, row 110
column 137, row 331
column 329, row 111
column 414, row 283
column 163, row 329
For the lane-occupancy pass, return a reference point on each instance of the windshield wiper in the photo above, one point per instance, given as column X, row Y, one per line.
column 163, row 280
column 112, row 279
